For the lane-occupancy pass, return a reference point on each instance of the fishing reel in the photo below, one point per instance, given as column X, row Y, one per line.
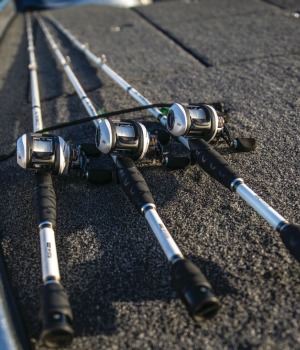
column 200, row 121
column 131, row 139
column 123, row 138
column 43, row 152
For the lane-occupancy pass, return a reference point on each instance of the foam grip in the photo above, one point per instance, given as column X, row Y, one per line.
column 176, row 162
column 90, row 150
column 290, row 235
column 194, row 290
column 44, row 199
column 99, row 176
column 133, row 183
column 245, row 144
column 55, row 316
column 212, row 162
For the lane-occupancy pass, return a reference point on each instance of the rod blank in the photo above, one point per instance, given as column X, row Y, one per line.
column 55, row 313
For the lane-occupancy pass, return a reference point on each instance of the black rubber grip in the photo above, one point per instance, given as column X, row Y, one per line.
column 44, row 199
column 194, row 290
column 133, row 183
column 55, row 316
column 212, row 162
column 290, row 235
column 99, row 176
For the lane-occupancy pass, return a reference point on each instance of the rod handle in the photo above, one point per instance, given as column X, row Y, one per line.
column 133, row 183
column 44, row 199
column 194, row 290
column 212, row 162
column 290, row 235
column 55, row 316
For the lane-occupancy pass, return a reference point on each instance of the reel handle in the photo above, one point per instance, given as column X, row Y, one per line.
column 290, row 235
column 212, row 162
column 194, row 290
column 133, row 183
column 55, row 316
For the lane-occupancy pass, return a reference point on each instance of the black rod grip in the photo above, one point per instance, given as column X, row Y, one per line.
column 290, row 235
column 55, row 316
column 194, row 290
column 133, row 183
column 44, row 199
column 212, row 162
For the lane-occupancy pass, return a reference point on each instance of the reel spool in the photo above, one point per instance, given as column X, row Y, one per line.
column 43, row 153
column 201, row 121
column 123, row 138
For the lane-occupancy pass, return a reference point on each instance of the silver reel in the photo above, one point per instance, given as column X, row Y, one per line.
column 123, row 138
column 44, row 153
column 201, row 121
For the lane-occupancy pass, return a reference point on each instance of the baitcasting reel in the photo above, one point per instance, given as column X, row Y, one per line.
column 131, row 139
column 123, row 138
column 201, row 121
column 43, row 152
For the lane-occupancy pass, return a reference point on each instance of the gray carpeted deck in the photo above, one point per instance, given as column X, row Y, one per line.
column 243, row 53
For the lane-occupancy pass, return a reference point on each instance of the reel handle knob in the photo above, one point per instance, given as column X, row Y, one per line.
column 163, row 137
column 245, row 144
column 55, row 316
column 194, row 290
column 176, row 162
column 90, row 150
column 290, row 235
column 99, row 176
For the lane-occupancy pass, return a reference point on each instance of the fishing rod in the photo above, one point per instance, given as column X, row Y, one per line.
column 183, row 124
column 12, row 331
column 47, row 154
column 130, row 141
